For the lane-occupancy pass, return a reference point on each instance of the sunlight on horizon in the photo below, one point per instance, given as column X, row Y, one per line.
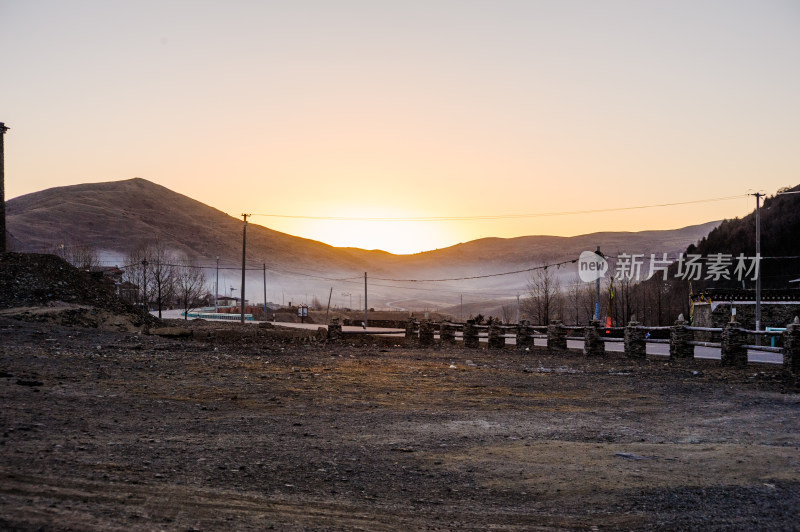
column 397, row 237
column 402, row 237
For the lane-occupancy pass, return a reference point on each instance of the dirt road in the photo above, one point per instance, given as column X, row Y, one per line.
column 115, row 431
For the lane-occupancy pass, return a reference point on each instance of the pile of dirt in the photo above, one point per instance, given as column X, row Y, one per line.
column 263, row 334
column 38, row 287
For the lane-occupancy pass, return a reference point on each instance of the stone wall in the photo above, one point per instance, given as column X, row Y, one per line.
column 773, row 314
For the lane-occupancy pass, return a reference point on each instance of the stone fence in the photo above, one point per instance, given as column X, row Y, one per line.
column 733, row 347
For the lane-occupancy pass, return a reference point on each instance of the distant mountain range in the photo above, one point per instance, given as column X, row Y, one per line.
column 114, row 217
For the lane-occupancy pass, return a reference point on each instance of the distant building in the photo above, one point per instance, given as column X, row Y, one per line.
column 111, row 276
column 226, row 301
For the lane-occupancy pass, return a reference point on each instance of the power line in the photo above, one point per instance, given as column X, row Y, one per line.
column 543, row 267
column 494, row 216
column 354, row 279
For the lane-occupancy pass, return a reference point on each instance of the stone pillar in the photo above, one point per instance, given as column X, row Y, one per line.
column 556, row 335
column 334, row 330
column 791, row 347
column 425, row 333
column 411, row 332
column 635, row 346
column 447, row 333
column 523, row 335
column 679, row 338
column 496, row 340
column 733, row 350
column 470, row 334
column 593, row 344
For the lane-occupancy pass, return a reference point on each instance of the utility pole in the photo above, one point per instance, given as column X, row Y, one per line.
column 365, row 300
column 330, row 295
column 244, row 247
column 146, row 305
column 3, row 130
column 517, row 309
column 597, row 289
column 461, row 310
column 216, row 290
column 265, row 292
column 758, row 196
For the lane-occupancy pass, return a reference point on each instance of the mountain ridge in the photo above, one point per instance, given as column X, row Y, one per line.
column 115, row 216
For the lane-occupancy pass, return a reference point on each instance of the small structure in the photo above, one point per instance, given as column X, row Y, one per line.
column 712, row 307
column 226, row 301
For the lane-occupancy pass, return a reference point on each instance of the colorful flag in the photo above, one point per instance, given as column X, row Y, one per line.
column 610, row 306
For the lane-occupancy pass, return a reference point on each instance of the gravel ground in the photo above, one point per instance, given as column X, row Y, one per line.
column 111, row 430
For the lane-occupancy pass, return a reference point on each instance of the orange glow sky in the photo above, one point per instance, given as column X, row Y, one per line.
column 410, row 109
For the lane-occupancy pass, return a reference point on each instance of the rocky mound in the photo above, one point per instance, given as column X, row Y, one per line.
column 30, row 281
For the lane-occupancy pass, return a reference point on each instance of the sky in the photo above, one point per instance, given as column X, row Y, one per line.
column 411, row 110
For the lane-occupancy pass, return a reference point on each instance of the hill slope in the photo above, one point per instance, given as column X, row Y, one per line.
column 116, row 216
column 780, row 237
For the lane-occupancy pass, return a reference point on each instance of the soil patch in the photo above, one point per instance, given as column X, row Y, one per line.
column 105, row 430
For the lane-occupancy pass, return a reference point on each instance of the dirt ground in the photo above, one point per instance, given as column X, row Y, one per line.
column 105, row 430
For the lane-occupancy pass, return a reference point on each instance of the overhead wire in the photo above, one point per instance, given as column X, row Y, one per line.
column 493, row 216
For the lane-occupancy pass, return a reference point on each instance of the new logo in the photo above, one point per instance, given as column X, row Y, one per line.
column 591, row 266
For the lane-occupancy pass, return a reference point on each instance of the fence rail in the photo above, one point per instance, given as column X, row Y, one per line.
column 733, row 347
column 705, row 344
column 765, row 348
column 219, row 316
column 704, row 329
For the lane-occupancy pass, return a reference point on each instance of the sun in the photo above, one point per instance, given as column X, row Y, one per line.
column 370, row 228
column 394, row 237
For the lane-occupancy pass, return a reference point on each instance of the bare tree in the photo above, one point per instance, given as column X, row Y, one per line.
column 623, row 304
column 508, row 312
column 190, row 281
column 544, row 295
column 82, row 256
column 138, row 274
column 575, row 292
column 163, row 274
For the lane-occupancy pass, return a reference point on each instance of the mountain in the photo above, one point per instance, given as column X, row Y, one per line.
column 780, row 241
column 116, row 216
